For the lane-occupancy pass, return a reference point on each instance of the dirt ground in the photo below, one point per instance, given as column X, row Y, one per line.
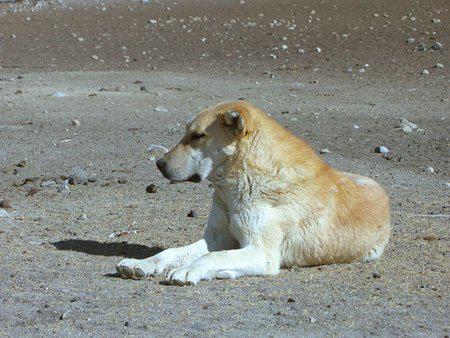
column 88, row 61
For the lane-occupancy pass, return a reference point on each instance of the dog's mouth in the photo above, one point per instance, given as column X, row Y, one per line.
column 196, row 178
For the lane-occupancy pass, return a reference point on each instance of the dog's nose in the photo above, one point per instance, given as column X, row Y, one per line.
column 160, row 164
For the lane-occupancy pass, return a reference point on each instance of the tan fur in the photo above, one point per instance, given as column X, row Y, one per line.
column 276, row 202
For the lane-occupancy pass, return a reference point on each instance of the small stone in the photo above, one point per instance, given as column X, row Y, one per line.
column 127, row 324
column 324, row 151
column 382, row 150
column 94, row 57
column 407, row 126
column 21, row 164
column 160, row 109
column 48, row 184
column 80, row 39
column 18, row 92
column 437, row 45
column 58, row 94
column 429, row 170
column 151, row 189
column 291, row 300
column 75, row 122
column 3, row 213
column 64, row 189
column 192, row 214
column 355, row 126
column 77, row 176
column 82, row 217
column 32, row 192
column 122, row 181
column 376, row 274
column 92, row 179
column 312, row 319
column 425, row 72
column 143, row 89
column 301, row 51
column 411, row 40
column 436, row 20
column 64, row 315
column 438, row 65
column 318, row 50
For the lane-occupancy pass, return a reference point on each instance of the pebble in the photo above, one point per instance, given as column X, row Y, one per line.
column 301, row 51
column 151, row 189
column 376, row 274
column 192, row 214
column 429, row 170
column 58, row 94
column 78, row 175
column 48, row 184
column 425, row 72
column 411, row 40
column 437, row 45
column 156, row 151
column 325, row 151
column 94, row 57
column 3, row 213
column 317, row 49
column 436, row 20
column 438, row 65
column 382, row 150
column 122, row 181
column 64, row 188
column 407, row 126
column 312, row 319
column 160, row 109
column 75, row 122
column 82, row 217
column 143, row 89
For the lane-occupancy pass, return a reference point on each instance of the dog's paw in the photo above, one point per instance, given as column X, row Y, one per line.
column 187, row 275
column 138, row 268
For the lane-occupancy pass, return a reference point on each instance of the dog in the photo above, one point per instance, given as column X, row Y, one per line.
column 276, row 203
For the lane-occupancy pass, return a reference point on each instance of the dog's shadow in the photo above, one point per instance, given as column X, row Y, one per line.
column 107, row 249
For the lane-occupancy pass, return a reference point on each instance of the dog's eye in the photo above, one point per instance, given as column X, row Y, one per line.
column 197, row 136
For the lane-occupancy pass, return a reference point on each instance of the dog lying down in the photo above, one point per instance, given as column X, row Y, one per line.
column 276, row 204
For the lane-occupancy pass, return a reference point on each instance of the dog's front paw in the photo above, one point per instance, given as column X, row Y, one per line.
column 187, row 275
column 137, row 268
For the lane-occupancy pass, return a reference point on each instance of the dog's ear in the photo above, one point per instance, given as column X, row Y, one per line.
column 239, row 121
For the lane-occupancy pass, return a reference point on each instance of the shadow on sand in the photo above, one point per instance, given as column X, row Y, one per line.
column 122, row 249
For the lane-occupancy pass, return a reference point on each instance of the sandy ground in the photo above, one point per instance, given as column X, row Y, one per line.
column 57, row 274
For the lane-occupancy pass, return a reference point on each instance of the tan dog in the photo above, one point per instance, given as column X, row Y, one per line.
column 276, row 203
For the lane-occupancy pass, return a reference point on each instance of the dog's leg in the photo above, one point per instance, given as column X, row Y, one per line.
column 217, row 237
column 249, row 261
column 163, row 262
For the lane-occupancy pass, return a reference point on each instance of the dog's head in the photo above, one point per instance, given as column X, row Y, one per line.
column 210, row 139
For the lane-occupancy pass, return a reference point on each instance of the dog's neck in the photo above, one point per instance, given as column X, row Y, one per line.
column 260, row 156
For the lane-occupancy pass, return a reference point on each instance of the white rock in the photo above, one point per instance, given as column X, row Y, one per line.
column 64, row 188
column 355, row 126
column 382, row 150
column 436, row 20
column 425, row 72
column 438, row 65
column 429, row 170
column 317, row 49
column 411, row 40
column 301, row 51
column 284, row 47
column 75, row 122
column 325, row 151
column 94, row 57
column 437, row 46
column 48, row 184
column 160, row 109
column 58, row 94
column 156, row 151
column 3, row 213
